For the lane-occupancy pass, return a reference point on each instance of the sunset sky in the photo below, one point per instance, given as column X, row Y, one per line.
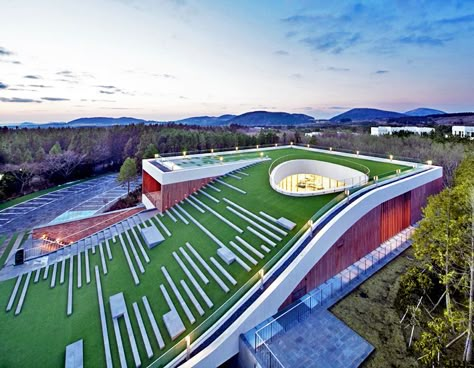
column 165, row 60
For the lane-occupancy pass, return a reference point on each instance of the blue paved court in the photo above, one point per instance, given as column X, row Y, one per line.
column 321, row 341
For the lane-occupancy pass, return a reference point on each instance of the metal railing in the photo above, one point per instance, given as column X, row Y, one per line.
column 336, row 286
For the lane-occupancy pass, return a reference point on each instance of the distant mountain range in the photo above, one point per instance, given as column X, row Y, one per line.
column 250, row 119
column 364, row 114
column 253, row 118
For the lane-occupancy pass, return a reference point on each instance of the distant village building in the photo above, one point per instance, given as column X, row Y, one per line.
column 463, row 131
column 383, row 130
column 312, row 134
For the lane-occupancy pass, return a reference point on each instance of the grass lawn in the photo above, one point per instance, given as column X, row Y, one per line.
column 39, row 335
column 369, row 311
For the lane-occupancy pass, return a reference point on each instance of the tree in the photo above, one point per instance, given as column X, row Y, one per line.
column 444, row 248
column 55, row 149
column 128, row 172
column 150, row 151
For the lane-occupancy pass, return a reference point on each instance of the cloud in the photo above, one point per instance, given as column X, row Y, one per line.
column 65, row 73
column 18, row 100
column 165, row 75
column 296, row 76
column 337, row 69
column 39, row 86
column 107, row 87
column 54, row 99
column 424, row 40
column 107, row 92
column 32, row 76
column 333, row 42
column 5, row 52
column 111, row 90
column 382, row 72
column 10, row 61
column 3, row 86
column 291, row 34
column 281, row 53
column 339, row 108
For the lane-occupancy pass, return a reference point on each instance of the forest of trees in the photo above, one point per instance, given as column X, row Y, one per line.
column 436, row 296
column 34, row 159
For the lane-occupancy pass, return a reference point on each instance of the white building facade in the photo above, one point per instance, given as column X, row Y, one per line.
column 463, row 131
column 383, row 130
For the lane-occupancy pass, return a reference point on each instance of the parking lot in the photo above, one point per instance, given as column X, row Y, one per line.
column 43, row 209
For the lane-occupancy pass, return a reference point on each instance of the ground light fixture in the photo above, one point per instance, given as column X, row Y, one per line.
column 307, row 145
column 391, row 157
column 261, row 154
column 429, row 162
column 330, row 148
column 357, row 153
column 236, row 148
column 212, row 150
column 261, row 273
column 257, row 146
column 184, row 153
column 188, row 347
column 221, row 159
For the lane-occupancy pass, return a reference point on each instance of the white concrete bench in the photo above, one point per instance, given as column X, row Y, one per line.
column 134, row 251
column 102, row 258
column 194, row 265
column 219, row 216
column 251, row 214
column 249, row 247
column 231, row 186
column 88, row 271
column 23, row 294
column 53, row 277
column 194, row 205
column 143, row 333
column 154, row 325
column 174, row 219
column 221, row 283
column 214, row 199
column 178, row 295
column 129, row 261
column 193, row 280
column 69, row 290
column 179, row 215
column 227, row 275
column 253, row 223
column 192, row 297
column 213, row 187
column 165, row 229
column 103, row 320
column 14, row 292
column 261, row 236
column 244, row 253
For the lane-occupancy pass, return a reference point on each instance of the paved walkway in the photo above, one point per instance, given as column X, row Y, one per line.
column 306, row 334
column 322, row 341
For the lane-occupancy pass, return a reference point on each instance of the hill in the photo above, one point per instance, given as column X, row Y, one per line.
column 266, row 118
column 365, row 114
column 424, row 111
column 206, row 120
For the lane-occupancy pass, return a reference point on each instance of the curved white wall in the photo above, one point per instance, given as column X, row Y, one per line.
column 227, row 345
column 349, row 176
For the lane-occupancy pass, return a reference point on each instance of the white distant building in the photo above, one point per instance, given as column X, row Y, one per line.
column 312, row 134
column 383, row 130
column 463, row 131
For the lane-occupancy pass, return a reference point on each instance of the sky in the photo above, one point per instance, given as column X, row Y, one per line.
column 170, row 59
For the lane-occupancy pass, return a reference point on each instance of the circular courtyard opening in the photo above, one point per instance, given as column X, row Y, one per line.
column 302, row 178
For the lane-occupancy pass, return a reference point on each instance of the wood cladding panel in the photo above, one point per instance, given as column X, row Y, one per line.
column 171, row 194
column 360, row 239
column 377, row 226
column 395, row 215
column 149, row 184
column 419, row 197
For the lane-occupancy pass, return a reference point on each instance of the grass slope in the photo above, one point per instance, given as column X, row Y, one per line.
column 39, row 335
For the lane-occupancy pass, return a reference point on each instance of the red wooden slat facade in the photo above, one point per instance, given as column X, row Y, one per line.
column 377, row 226
column 165, row 196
